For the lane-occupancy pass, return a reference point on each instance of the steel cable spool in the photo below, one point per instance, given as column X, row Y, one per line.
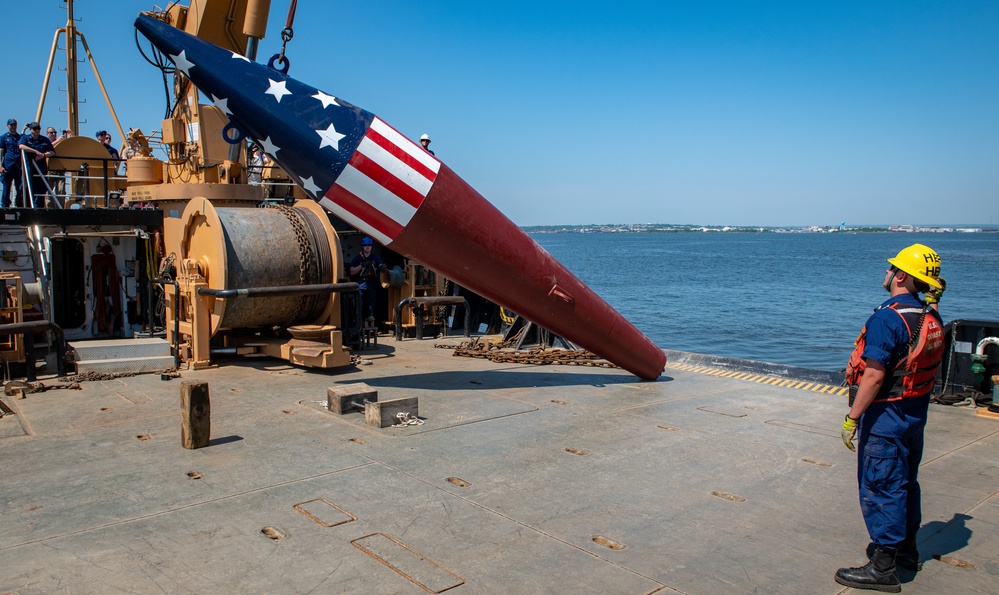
column 239, row 248
column 315, row 263
column 321, row 261
column 321, row 248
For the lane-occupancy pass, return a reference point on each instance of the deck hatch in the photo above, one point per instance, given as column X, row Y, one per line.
column 412, row 565
column 324, row 512
column 707, row 409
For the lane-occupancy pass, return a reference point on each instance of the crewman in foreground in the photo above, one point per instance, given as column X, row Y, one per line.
column 891, row 374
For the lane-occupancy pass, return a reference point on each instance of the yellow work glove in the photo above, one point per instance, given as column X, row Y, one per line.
column 849, row 431
column 933, row 294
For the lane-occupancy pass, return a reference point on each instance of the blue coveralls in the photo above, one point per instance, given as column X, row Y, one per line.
column 368, row 285
column 11, row 155
column 38, row 189
column 891, row 438
column 114, row 155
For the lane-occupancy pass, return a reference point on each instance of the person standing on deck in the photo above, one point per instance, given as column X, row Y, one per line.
column 10, row 163
column 425, row 141
column 256, row 162
column 37, row 149
column 365, row 268
column 105, row 139
column 891, row 374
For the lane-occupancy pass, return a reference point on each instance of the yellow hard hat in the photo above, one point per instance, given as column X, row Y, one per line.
column 922, row 262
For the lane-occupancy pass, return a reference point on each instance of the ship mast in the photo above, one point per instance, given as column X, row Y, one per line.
column 72, row 83
column 71, row 34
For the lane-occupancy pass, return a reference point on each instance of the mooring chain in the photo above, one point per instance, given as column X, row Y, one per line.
column 38, row 387
column 501, row 352
column 70, row 386
column 304, row 247
column 94, row 375
column 543, row 357
column 304, row 251
column 440, row 312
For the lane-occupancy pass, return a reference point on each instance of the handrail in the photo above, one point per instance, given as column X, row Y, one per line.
column 26, row 328
column 251, row 292
column 45, row 180
column 108, row 163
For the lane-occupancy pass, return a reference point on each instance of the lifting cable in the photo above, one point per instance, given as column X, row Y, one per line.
column 280, row 61
column 163, row 66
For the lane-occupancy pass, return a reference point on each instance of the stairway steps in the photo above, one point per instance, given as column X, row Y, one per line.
column 122, row 356
column 136, row 365
column 115, row 348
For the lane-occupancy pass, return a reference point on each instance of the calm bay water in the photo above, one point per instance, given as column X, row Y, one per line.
column 792, row 298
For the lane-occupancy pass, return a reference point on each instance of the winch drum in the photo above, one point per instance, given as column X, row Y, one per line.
column 277, row 246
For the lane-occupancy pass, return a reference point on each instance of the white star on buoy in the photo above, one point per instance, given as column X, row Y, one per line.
column 331, row 138
column 269, row 147
column 310, row 186
column 222, row 104
column 236, row 56
column 182, row 63
column 278, row 89
column 325, row 99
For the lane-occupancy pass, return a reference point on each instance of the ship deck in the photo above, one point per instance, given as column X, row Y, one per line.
column 522, row 479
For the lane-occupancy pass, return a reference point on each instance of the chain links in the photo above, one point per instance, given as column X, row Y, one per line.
column 502, row 352
column 94, row 375
column 304, row 250
column 38, row 387
column 441, row 312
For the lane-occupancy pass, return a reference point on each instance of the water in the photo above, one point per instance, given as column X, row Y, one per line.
column 792, row 298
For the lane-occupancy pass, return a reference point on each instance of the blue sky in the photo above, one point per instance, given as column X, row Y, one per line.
column 723, row 113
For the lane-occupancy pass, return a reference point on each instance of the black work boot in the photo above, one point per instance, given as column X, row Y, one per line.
column 878, row 574
column 907, row 557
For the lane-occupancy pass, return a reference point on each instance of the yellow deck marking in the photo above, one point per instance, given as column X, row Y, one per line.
column 815, row 387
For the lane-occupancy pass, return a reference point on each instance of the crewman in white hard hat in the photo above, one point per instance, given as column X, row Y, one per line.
column 425, row 141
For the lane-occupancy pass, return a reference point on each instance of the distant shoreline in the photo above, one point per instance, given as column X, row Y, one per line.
column 666, row 228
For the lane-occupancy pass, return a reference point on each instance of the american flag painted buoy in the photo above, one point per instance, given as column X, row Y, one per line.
column 370, row 175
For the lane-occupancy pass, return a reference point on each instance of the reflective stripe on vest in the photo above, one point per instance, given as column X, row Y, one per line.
column 914, row 375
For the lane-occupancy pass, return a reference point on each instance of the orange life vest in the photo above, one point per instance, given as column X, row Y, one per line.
column 915, row 373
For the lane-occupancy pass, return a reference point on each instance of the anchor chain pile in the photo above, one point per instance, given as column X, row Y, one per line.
column 504, row 352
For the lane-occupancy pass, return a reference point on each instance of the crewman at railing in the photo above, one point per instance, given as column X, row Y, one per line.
column 37, row 149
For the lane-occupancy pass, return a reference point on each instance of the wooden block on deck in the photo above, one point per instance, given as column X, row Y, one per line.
column 383, row 413
column 341, row 399
column 195, row 414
